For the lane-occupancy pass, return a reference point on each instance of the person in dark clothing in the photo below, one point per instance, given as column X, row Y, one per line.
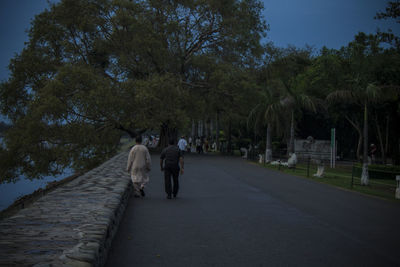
column 171, row 162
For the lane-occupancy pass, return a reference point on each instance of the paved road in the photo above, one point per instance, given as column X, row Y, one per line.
column 234, row 213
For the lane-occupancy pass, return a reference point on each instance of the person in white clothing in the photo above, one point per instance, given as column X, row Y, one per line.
column 182, row 144
column 139, row 165
column 190, row 144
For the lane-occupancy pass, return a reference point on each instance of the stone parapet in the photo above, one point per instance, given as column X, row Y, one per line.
column 72, row 225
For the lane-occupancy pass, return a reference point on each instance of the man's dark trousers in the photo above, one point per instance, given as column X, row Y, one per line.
column 174, row 172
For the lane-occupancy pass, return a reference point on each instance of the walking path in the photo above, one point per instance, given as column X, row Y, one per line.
column 233, row 213
column 72, row 225
column 229, row 213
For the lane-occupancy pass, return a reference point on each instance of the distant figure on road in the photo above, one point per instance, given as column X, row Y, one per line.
column 182, row 144
column 190, row 144
column 206, row 145
column 170, row 159
column 371, row 154
column 199, row 145
column 139, row 165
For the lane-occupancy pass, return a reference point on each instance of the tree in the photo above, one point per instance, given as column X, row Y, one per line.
column 268, row 111
column 392, row 12
column 328, row 72
column 362, row 87
column 285, row 70
column 231, row 95
column 93, row 70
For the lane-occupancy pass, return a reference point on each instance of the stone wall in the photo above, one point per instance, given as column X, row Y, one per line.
column 72, row 225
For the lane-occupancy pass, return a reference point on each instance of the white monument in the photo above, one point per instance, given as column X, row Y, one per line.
column 292, row 161
column 244, row 151
column 320, row 169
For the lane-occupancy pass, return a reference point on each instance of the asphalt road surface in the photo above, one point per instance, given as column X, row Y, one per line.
column 230, row 212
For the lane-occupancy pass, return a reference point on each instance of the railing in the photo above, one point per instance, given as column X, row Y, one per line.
column 379, row 179
column 347, row 174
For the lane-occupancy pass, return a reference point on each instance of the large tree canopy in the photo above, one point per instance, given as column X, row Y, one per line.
column 93, row 69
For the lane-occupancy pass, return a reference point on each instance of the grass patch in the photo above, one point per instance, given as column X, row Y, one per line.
column 341, row 176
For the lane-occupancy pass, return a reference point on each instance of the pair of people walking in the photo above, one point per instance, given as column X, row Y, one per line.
column 139, row 166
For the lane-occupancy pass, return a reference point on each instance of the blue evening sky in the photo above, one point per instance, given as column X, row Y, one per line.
column 292, row 22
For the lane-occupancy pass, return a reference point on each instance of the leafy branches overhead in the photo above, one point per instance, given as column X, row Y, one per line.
column 392, row 11
column 95, row 69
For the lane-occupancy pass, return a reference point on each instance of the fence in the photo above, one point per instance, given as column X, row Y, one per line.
column 379, row 179
column 347, row 174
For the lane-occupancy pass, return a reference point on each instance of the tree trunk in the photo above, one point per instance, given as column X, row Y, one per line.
column 387, row 139
column 364, row 175
column 359, row 146
column 166, row 134
column 131, row 133
column 397, row 155
column 211, row 130
column 268, row 148
column 217, row 131
column 193, row 130
column 207, row 126
column 360, row 137
column 378, row 129
column 196, row 129
column 200, row 129
column 291, row 142
column 229, row 148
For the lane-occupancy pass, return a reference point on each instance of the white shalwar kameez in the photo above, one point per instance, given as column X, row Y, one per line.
column 139, row 165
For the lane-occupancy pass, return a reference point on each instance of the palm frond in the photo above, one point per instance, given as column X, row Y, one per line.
column 308, row 103
column 320, row 104
column 272, row 112
column 373, row 93
column 252, row 117
column 346, row 96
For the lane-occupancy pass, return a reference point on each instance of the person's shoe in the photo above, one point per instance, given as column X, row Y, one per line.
column 174, row 195
column 169, row 197
column 142, row 192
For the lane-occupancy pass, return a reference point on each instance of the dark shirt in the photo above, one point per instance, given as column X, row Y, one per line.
column 171, row 154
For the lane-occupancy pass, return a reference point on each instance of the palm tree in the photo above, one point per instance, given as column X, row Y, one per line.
column 267, row 113
column 363, row 96
column 275, row 107
column 288, row 65
column 296, row 100
column 361, row 87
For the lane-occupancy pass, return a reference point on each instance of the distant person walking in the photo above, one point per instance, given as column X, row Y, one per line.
column 190, row 144
column 199, row 146
column 206, row 146
column 182, row 144
column 171, row 162
column 139, row 165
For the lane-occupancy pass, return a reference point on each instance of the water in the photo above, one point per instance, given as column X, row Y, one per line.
column 9, row 192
